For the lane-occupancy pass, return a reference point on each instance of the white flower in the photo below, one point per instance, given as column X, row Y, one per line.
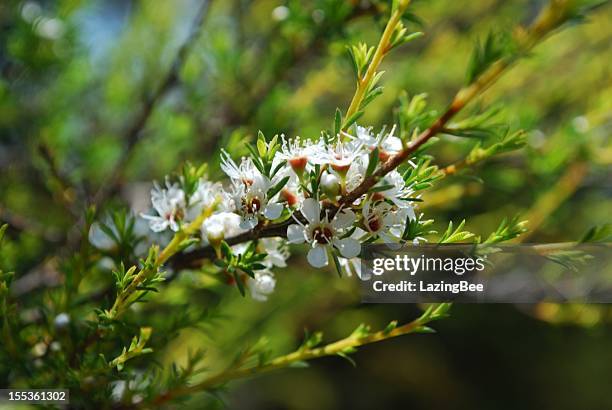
column 169, row 203
column 249, row 191
column 397, row 193
column 262, row 285
column 341, row 155
column 321, row 233
column 277, row 251
column 206, row 195
column 356, row 172
column 245, row 172
column 298, row 153
column 251, row 201
column 387, row 143
column 383, row 220
column 275, row 248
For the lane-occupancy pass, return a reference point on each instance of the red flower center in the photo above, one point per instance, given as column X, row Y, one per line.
column 322, row 234
column 374, row 223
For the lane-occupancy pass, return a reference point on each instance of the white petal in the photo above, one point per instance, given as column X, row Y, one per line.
column 393, row 144
column 343, row 219
column 311, row 210
column 273, row 211
column 317, row 256
column 277, row 260
column 156, row 223
column 296, row 234
column 348, row 247
column 248, row 222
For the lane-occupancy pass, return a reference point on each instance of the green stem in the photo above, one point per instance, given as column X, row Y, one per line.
column 381, row 50
column 122, row 300
column 303, row 354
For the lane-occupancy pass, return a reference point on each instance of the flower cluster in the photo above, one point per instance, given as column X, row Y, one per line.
column 297, row 185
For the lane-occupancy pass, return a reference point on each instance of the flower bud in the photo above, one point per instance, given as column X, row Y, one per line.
column 215, row 233
column 330, row 184
column 291, row 198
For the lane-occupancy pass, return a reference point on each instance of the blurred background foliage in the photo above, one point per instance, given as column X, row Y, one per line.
column 89, row 111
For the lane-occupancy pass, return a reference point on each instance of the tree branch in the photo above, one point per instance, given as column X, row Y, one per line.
column 342, row 347
column 548, row 19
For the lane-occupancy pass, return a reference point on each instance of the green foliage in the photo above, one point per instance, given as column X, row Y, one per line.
column 361, row 55
column 507, row 230
column 247, row 262
column 74, row 93
column 136, row 348
column 496, row 46
column 455, row 235
column 413, row 115
column 597, row 234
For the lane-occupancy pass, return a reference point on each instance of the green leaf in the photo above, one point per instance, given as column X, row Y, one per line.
column 337, row 122
column 239, row 283
column 596, row 234
column 348, row 358
column 424, row 329
column 495, row 47
column 390, row 327
column 261, row 144
column 457, row 235
column 352, row 119
column 277, row 187
column 507, row 230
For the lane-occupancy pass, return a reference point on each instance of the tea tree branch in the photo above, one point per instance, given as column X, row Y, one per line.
column 152, row 265
column 489, row 65
column 360, row 337
column 553, row 15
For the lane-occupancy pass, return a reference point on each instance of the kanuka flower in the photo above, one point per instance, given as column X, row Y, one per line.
column 383, row 220
column 261, row 285
column 252, row 202
column 341, row 155
column 276, row 250
column 245, row 172
column 323, row 234
column 397, row 193
column 387, row 143
column 206, row 195
column 298, row 153
column 249, row 192
column 169, row 204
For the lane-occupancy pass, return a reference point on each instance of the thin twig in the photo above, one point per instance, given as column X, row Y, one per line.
column 339, row 347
